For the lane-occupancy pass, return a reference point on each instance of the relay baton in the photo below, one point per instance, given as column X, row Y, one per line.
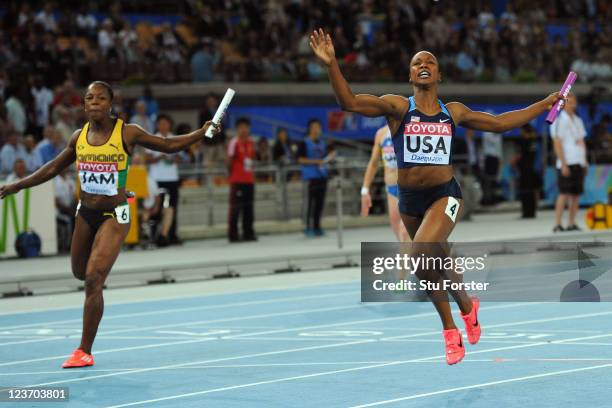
column 565, row 89
column 227, row 98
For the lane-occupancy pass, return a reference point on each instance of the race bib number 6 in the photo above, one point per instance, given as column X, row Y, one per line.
column 122, row 213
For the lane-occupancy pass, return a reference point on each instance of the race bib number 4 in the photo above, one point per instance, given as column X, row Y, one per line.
column 99, row 178
column 427, row 143
column 122, row 213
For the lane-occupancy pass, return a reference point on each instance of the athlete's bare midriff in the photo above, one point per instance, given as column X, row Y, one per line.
column 390, row 176
column 102, row 202
column 423, row 176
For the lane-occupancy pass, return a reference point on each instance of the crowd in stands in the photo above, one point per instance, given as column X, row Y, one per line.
column 247, row 40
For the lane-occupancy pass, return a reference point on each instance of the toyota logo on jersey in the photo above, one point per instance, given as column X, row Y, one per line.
column 427, row 143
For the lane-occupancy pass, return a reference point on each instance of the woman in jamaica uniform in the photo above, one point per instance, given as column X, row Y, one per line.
column 102, row 151
column 422, row 129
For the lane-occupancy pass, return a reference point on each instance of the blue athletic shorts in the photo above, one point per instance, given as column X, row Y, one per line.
column 415, row 202
column 393, row 190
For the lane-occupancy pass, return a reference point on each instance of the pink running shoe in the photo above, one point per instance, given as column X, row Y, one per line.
column 472, row 326
column 454, row 346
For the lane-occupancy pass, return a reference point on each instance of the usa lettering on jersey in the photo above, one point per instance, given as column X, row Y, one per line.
column 427, row 143
column 99, row 178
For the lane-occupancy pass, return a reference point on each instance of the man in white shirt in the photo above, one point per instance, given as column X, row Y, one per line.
column 163, row 168
column 568, row 135
column 43, row 98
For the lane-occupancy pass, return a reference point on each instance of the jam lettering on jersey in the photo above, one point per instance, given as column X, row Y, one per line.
column 99, row 178
column 427, row 143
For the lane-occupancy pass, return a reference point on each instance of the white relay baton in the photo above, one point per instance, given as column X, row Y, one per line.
column 227, row 98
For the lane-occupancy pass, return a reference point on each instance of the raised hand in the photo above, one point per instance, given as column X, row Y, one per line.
column 322, row 46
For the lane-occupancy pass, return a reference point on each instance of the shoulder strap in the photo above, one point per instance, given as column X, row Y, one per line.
column 412, row 104
column 443, row 108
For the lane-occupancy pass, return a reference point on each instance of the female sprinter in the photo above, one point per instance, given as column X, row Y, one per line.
column 383, row 148
column 102, row 150
column 422, row 129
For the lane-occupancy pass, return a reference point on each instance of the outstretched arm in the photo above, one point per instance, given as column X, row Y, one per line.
column 367, row 105
column 464, row 116
column 46, row 172
column 135, row 135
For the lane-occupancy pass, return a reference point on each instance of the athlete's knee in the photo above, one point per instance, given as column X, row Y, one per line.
column 94, row 280
column 79, row 273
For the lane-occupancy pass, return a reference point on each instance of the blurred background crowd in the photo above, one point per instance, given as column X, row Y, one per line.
column 267, row 40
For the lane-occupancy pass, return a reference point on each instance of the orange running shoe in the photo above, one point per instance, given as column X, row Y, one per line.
column 454, row 346
column 78, row 359
column 472, row 326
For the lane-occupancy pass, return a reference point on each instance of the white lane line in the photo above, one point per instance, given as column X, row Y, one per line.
column 481, row 385
column 187, row 309
column 309, row 349
column 494, row 326
column 320, row 374
column 146, row 346
column 307, row 364
column 203, row 392
column 238, row 357
column 385, row 319
column 10, row 343
column 230, row 319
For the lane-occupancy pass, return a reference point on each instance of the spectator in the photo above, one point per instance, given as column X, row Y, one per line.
column 529, row 180
column 65, row 193
column 64, row 186
column 472, row 153
column 203, row 63
column 19, row 171
column 568, row 133
column 15, row 109
column 127, row 36
column 67, row 95
column 30, row 155
column 282, row 151
column 149, row 100
column 46, row 18
column 64, row 122
column 240, row 156
column 157, row 214
column 86, row 22
column 140, row 117
column 43, row 98
column 163, row 168
column 6, row 126
column 602, row 140
column 106, row 39
column 50, row 146
column 11, row 151
column 214, row 148
column 262, row 153
column 314, row 155
column 492, row 150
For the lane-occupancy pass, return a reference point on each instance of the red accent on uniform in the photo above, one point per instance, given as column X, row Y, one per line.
column 428, row 129
column 95, row 167
column 238, row 150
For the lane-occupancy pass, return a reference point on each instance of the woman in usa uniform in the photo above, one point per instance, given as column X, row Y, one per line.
column 102, row 150
column 422, row 129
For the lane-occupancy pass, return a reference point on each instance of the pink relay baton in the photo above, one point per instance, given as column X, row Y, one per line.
column 565, row 89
